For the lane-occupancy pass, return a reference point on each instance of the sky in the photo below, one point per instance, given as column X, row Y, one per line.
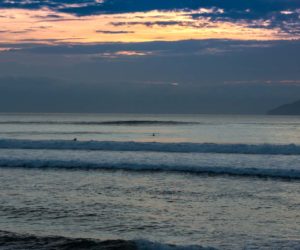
column 149, row 56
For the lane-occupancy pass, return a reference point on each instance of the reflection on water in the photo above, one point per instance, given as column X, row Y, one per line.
column 207, row 190
column 224, row 212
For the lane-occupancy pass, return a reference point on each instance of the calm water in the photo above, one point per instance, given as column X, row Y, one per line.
column 229, row 182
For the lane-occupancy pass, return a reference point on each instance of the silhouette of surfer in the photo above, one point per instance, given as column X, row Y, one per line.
column 75, row 139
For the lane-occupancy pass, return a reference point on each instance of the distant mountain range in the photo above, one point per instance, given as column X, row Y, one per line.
column 286, row 109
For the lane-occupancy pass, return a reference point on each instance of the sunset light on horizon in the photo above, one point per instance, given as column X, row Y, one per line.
column 49, row 26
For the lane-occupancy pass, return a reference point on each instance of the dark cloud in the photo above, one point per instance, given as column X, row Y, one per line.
column 210, row 76
column 17, row 31
column 86, row 7
column 54, row 16
column 189, row 24
column 177, row 48
column 152, row 23
column 114, row 32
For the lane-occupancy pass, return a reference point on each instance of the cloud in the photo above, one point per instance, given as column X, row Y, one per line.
column 6, row 49
column 17, row 31
column 174, row 84
column 117, row 54
column 158, row 48
column 280, row 14
column 208, row 76
column 86, row 7
column 152, row 23
column 137, row 27
column 264, row 82
column 114, row 32
column 190, row 61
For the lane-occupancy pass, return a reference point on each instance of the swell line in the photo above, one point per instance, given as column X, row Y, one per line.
column 15, row 241
column 292, row 174
column 261, row 149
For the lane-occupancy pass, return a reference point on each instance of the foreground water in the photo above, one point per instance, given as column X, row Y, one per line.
column 228, row 182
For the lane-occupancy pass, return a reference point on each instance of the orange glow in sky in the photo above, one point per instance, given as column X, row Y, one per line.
column 46, row 26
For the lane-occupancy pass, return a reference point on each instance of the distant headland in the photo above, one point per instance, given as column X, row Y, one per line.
column 286, row 109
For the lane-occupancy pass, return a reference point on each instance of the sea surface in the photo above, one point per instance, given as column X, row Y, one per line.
column 108, row 181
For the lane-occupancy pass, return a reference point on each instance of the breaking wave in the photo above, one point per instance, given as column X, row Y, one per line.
column 192, row 169
column 261, row 149
column 13, row 241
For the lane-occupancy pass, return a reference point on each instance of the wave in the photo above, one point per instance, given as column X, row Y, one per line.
column 14, row 241
column 120, row 122
column 292, row 174
column 261, row 149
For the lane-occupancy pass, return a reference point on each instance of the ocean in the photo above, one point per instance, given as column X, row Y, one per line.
column 109, row 181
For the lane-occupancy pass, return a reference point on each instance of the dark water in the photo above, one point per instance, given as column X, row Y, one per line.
column 145, row 182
